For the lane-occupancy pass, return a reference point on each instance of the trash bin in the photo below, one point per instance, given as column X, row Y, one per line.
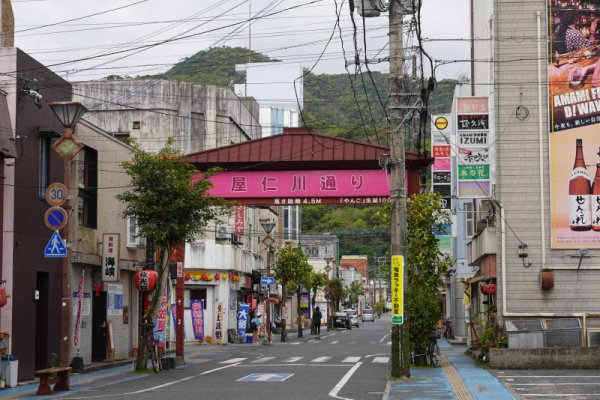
column 10, row 370
column 249, row 337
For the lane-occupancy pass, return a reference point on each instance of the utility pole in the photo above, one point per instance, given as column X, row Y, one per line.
column 396, row 114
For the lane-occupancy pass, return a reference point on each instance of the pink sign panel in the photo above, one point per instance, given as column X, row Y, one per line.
column 472, row 105
column 441, row 164
column 278, row 184
column 239, row 220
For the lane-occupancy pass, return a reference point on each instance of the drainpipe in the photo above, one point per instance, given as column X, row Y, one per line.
column 541, row 140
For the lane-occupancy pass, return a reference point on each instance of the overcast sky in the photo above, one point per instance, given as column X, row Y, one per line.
column 115, row 42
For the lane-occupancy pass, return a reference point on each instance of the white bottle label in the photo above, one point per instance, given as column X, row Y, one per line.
column 580, row 210
column 579, row 172
column 595, row 211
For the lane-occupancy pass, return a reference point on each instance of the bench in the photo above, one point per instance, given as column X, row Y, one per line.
column 60, row 377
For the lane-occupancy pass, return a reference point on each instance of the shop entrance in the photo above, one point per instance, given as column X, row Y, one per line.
column 99, row 326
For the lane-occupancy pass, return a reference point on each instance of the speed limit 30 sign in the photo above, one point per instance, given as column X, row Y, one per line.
column 56, row 194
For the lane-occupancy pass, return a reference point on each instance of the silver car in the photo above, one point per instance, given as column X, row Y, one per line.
column 353, row 317
column 367, row 316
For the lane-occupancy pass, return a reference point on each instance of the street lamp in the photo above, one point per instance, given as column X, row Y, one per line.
column 67, row 147
column 268, row 226
column 328, row 259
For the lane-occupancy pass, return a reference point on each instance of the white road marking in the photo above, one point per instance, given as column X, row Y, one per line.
column 293, row 359
column 263, row 359
column 326, row 336
column 321, row 359
column 312, row 341
column 351, row 359
column 335, row 342
column 383, row 338
column 381, row 360
column 232, row 361
column 336, row 389
column 295, row 343
column 389, row 343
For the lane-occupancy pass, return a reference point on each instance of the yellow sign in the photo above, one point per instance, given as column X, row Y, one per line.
column 441, row 123
column 397, row 290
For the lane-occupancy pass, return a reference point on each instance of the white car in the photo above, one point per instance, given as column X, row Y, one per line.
column 353, row 316
column 367, row 316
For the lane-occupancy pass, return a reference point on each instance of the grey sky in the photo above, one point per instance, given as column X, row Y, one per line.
column 296, row 36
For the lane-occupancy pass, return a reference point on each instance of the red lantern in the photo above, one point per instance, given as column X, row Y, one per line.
column 187, row 276
column 488, row 288
column 145, row 280
column 217, row 277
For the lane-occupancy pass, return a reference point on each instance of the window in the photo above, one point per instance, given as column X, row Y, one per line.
column 134, row 238
column 88, row 188
column 45, row 143
column 194, row 294
column 469, row 220
column 312, row 251
column 137, row 125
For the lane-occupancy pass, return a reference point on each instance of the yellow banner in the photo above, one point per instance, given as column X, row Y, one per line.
column 397, row 290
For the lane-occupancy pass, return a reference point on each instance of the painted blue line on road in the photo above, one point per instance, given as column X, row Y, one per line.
column 481, row 384
column 424, row 383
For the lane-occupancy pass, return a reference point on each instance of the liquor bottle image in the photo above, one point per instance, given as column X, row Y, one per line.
column 596, row 200
column 580, row 207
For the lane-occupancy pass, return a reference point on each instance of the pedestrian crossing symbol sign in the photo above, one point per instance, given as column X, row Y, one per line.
column 56, row 247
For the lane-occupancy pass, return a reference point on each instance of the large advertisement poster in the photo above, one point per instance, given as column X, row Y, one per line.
column 574, row 117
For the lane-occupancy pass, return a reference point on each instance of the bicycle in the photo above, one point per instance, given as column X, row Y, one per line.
column 447, row 328
column 432, row 352
column 152, row 349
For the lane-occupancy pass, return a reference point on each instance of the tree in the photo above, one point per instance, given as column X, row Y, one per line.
column 335, row 288
column 168, row 207
column 291, row 265
column 317, row 280
column 424, row 267
column 355, row 290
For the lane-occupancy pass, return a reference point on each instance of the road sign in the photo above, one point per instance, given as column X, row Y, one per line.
column 397, row 290
column 56, row 194
column 56, row 218
column 267, row 377
column 268, row 241
column 441, row 123
column 267, row 280
column 56, row 247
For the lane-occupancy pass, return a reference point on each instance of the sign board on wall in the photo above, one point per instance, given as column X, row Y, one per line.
column 574, row 117
column 397, row 290
column 442, row 142
column 110, row 257
column 115, row 299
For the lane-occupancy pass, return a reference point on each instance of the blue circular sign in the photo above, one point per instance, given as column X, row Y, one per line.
column 56, row 218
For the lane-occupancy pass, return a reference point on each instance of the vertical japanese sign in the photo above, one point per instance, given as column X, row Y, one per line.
column 197, row 310
column 242, row 319
column 442, row 177
column 110, row 257
column 397, row 290
column 573, row 116
column 79, row 307
column 473, row 168
column 238, row 228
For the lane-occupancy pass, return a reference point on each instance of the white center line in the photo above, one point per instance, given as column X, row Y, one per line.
column 232, row 361
column 351, row 359
column 321, row 359
column 336, row 389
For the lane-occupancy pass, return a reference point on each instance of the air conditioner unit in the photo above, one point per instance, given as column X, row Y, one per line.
column 593, row 338
column 222, row 233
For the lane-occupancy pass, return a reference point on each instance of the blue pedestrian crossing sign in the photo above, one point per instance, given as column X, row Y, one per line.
column 56, row 247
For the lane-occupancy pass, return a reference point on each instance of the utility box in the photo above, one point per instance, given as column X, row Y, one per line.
column 525, row 334
column 10, row 370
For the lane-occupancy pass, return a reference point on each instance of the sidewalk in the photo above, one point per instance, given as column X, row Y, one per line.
column 458, row 378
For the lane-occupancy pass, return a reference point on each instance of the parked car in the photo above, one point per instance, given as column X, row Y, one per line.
column 353, row 316
column 368, row 315
column 341, row 320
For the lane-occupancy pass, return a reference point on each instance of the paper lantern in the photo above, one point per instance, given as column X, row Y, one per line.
column 197, row 277
column 203, row 276
column 209, row 277
column 489, row 288
column 145, row 280
column 224, row 277
column 217, row 277
column 188, row 276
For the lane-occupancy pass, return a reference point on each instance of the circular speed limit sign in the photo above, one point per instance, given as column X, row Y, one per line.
column 56, row 194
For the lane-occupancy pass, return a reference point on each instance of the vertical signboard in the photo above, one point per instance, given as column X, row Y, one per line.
column 397, row 290
column 110, row 257
column 441, row 150
column 473, row 167
column 574, row 118
column 197, row 310
column 239, row 220
column 242, row 319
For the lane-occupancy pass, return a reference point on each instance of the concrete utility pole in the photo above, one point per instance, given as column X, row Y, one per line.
column 396, row 113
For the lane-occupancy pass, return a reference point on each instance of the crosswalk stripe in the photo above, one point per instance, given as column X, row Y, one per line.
column 351, row 359
column 293, row 359
column 295, row 343
column 232, row 360
column 263, row 359
column 382, row 360
column 389, row 343
column 335, row 342
column 321, row 359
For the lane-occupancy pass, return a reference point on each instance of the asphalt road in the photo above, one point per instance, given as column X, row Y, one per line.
column 351, row 364
column 552, row 384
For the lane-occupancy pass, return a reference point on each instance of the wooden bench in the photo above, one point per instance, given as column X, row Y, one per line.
column 60, row 377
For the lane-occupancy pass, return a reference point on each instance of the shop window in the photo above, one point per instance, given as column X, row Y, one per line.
column 194, row 294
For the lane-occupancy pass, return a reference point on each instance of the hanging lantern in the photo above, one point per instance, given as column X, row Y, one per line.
column 197, row 277
column 209, row 277
column 217, row 277
column 224, row 277
column 488, row 288
column 203, row 276
column 188, row 276
column 145, row 280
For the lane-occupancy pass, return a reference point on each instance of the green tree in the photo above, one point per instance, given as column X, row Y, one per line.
column 168, row 208
column 335, row 289
column 289, row 271
column 424, row 266
column 316, row 281
column 355, row 290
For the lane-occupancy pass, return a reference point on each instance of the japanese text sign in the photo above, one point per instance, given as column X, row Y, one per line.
column 197, row 310
column 110, row 257
column 397, row 290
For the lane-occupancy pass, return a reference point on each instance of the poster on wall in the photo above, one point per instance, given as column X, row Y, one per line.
column 197, row 309
column 115, row 299
column 574, row 118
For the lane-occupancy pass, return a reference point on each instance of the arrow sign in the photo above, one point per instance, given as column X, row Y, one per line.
column 268, row 377
column 56, row 247
column 267, row 280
